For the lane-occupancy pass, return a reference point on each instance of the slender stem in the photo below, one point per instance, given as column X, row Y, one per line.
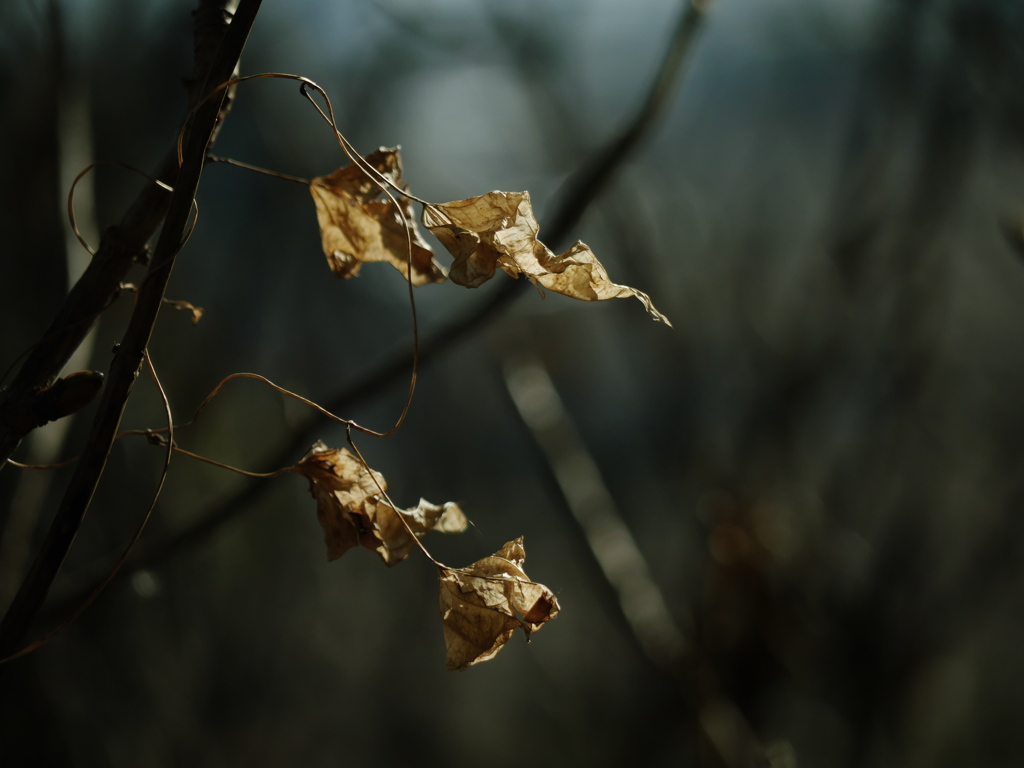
column 383, row 492
column 169, row 450
column 99, row 286
column 264, row 171
column 214, row 462
column 583, row 187
column 128, row 360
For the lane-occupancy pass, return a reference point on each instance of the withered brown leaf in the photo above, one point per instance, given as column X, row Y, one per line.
column 482, row 605
column 197, row 312
column 499, row 230
column 359, row 224
column 352, row 510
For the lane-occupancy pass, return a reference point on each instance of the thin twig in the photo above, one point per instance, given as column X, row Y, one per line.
column 73, row 220
column 37, row 644
column 386, row 186
column 222, row 465
column 129, row 357
column 583, row 187
column 250, row 167
column 99, row 285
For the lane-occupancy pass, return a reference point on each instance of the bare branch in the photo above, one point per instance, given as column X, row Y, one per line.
column 128, row 359
column 99, row 286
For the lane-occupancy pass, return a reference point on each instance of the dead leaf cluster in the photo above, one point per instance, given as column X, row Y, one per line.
column 483, row 233
column 481, row 606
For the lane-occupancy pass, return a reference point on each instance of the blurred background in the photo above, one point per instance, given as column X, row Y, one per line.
column 785, row 532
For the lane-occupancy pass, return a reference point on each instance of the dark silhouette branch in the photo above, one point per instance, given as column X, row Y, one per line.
column 583, row 187
column 22, row 404
column 129, row 356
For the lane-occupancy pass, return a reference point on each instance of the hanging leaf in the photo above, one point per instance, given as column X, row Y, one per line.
column 197, row 312
column 353, row 512
column 359, row 224
column 482, row 605
column 499, row 230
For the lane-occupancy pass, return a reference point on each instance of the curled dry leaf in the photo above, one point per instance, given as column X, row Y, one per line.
column 359, row 224
column 482, row 605
column 499, row 230
column 197, row 312
column 352, row 510
column 68, row 395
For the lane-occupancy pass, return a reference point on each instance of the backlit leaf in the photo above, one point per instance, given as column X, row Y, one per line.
column 359, row 224
column 197, row 312
column 353, row 512
column 499, row 230
column 482, row 605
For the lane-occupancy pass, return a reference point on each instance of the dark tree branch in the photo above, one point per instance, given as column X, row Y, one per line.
column 128, row 359
column 581, row 189
column 22, row 406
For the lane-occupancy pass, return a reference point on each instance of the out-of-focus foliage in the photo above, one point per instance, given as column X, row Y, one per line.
column 820, row 462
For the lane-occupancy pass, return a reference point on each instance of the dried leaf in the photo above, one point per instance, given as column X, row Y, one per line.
column 197, row 312
column 482, row 605
column 352, row 510
column 499, row 230
column 67, row 395
column 359, row 224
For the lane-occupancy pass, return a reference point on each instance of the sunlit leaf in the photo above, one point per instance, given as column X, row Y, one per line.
column 353, row 512
column 482, row 605
column 359, row 224
column 499, row 230
column 197, row 312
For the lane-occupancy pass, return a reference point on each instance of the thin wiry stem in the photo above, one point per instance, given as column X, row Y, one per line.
column 99, row 286
column 384, row 494
column 257, row 169
column 112, row 573
column 386, row 186
column 131, row 352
